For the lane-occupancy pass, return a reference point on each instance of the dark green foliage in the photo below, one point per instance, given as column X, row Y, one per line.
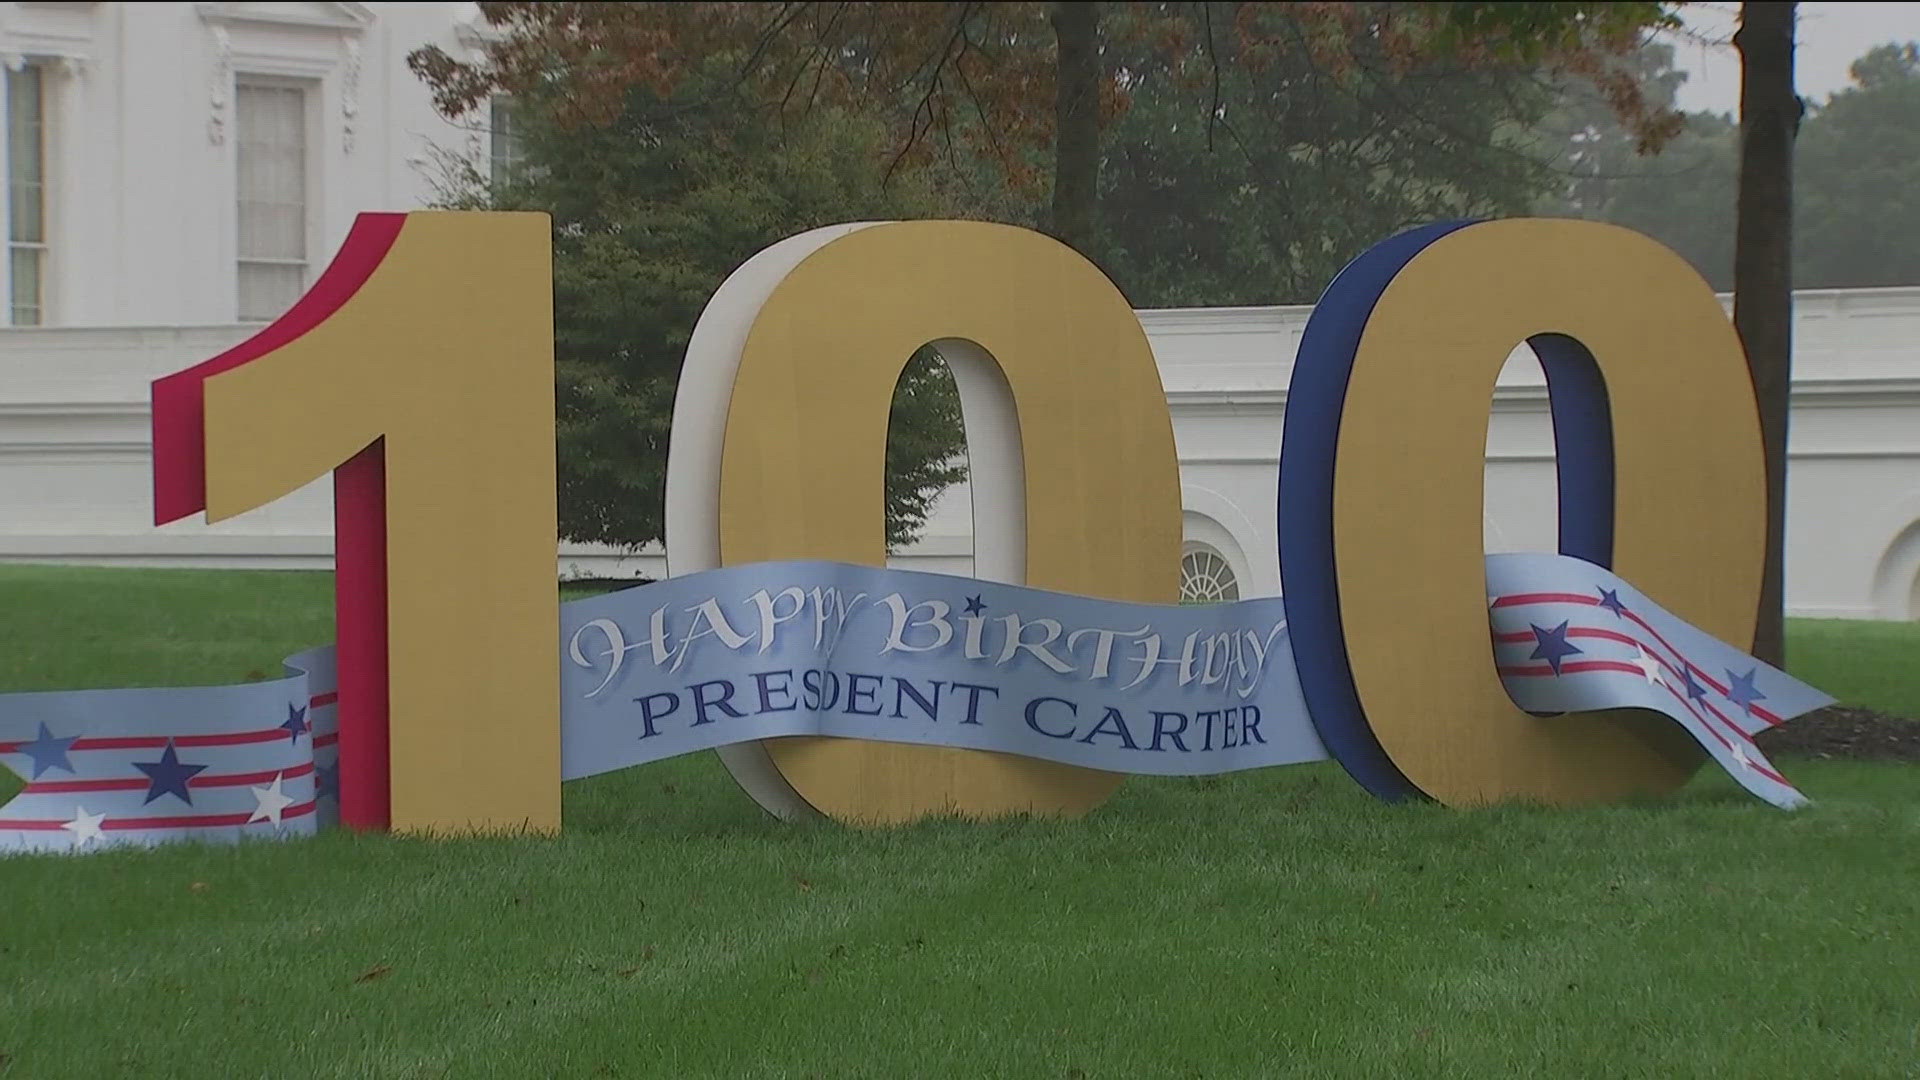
column 1856, row 177
column 1300, row 167
column 651, row 213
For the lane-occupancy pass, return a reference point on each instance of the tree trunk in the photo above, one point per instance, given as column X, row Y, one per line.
column 1763, row 271
column 1076, row 111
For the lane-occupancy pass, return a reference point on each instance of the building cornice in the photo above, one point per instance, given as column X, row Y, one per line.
column 348, row 17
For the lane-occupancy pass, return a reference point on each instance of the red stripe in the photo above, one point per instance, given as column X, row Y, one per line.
column 190, row 821
column 1522, row 637
column 1708, row 725
column 1518, row 637
column 1573, row 668
column 159, row 742
column 53, row 787
column 1519, row 599
column 321, row 701
column 1695, row 713
column 1762, row 713
column 1634, row 669
column 201, row 821
column 328, row 739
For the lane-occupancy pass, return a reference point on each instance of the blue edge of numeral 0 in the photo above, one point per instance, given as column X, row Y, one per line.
column 1316, row 396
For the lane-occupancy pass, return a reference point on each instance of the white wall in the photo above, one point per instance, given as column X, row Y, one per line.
column 74, row 481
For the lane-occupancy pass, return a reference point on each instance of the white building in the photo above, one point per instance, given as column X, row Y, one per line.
column 180, row 164
column 178, row 172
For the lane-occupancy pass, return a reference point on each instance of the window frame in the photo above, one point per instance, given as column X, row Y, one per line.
column 312, row 91
column 44, row 246
column 1231, row 580
column 504, row 153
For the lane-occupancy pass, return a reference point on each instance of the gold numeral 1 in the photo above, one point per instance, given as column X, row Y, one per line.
column 430, row 389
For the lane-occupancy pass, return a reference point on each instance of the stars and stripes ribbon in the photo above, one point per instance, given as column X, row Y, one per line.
column 1571, row 637
column 105, row 768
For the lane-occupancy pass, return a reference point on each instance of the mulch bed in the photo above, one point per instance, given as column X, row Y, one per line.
column 1840, row 731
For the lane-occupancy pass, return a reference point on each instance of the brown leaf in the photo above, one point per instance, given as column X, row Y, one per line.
column 198, row 887
column 372, row 973
column 805, row 885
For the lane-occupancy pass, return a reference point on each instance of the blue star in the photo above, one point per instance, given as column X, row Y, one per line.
column 1741, row 691
column 48, row 752
column 1552, row 645
column 974, row 606
column 326, row 781
column 1695, row 692
column 296, row 723
column 1610, row 599
column 168, row 776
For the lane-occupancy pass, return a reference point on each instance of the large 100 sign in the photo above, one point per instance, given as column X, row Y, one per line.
column 419, row 371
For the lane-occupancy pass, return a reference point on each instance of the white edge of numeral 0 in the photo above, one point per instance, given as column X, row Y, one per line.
column 996, row 459
column 694, row 448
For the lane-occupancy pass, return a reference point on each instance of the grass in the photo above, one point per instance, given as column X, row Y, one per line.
column 1875, row 665
column 1276, row 923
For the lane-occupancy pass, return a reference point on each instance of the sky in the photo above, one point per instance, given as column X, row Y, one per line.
column 1831, row 36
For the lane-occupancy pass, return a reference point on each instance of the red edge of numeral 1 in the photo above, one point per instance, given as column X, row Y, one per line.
column 359, row 510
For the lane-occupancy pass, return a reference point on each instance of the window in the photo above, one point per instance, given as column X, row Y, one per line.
column 1206, row 577
column 26, row 196
column 270, row 145
column 503, row 138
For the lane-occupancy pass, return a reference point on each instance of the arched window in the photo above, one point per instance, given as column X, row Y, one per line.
column 1206, row 577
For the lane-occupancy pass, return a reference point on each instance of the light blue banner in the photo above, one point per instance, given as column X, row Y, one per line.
column 828, row 649
column 814, row 648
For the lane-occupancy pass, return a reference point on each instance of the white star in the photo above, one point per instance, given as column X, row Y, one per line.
column 1649, row 666
column 1740, row 755
column 270, row 802
column 85, row 827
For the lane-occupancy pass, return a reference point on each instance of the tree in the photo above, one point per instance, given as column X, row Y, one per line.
column 1076, row 119
column 1856, row 170
column 1680, row 197
column 1857, row 178
column 651, row 211
column 1013, row 83
column 1770, row 113
column 1256, row 185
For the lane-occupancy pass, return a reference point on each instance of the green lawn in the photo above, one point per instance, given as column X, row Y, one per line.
column 1277, row 923
column 1871, row 664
